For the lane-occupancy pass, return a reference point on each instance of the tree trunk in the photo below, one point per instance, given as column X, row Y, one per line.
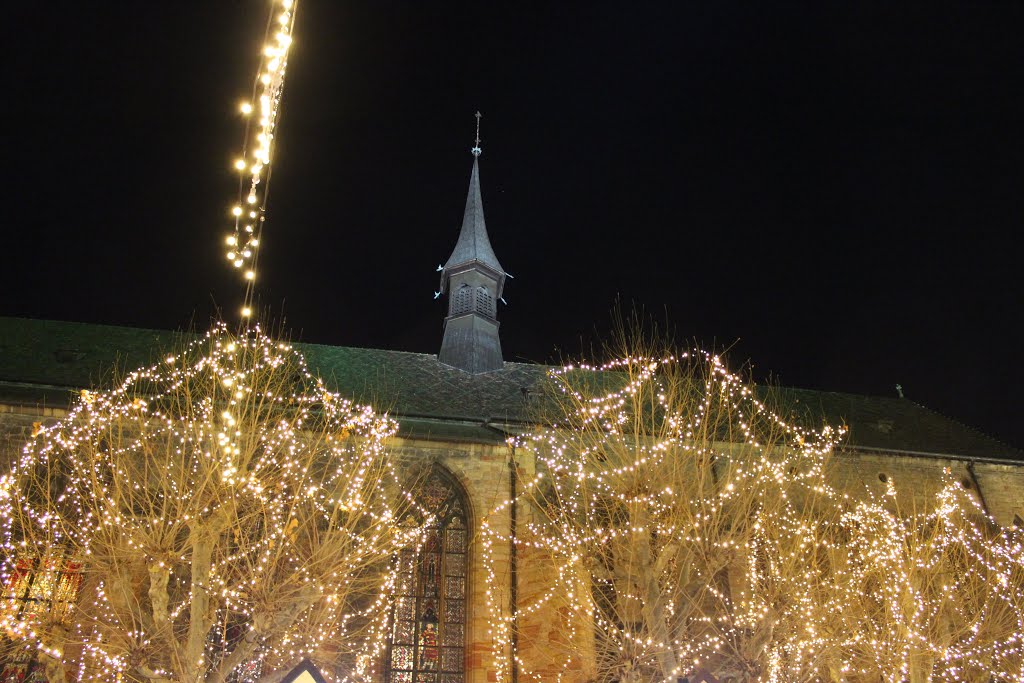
column 53, row 667
column 263, row 624
column 655, row 610
column 201, row 607
column 159, row 575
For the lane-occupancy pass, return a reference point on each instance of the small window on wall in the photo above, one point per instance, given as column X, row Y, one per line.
column 462, row 302
column 484, row 302
column 428, row 628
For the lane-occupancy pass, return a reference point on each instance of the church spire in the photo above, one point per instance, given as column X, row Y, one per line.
column 473, row 279
column 473, row 244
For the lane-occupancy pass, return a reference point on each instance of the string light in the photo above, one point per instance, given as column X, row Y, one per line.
column 676, row 522
column 257, row 150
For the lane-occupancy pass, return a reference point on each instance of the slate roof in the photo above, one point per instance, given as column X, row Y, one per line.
column 473, row 245
column 47, row 361
column 894, row 424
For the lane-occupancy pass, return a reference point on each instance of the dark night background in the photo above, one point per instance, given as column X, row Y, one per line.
column 834, row 190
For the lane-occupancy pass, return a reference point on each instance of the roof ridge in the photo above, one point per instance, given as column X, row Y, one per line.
column 833, row 391
column 85, row 324
column 966, row 426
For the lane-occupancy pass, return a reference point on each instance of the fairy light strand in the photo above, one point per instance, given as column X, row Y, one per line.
column 254, row 163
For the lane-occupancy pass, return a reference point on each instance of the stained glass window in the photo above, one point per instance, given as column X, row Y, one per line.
column 39, row 589
column 42, row 588
column 428, row 635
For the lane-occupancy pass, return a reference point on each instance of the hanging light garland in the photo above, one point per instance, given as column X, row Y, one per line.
column 262, row 112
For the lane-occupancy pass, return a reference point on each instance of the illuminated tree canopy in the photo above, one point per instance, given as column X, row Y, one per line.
column 683, row 526
column 215, row 516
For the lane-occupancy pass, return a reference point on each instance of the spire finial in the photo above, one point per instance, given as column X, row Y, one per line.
column 476, row 146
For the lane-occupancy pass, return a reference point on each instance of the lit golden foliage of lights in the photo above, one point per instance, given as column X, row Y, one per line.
column 677, row 523
column 225, row 514
column 253, row 164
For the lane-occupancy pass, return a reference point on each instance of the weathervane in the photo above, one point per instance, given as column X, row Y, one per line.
column 476, row 146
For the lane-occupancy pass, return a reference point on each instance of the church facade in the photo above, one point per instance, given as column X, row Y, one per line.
column 456, row 411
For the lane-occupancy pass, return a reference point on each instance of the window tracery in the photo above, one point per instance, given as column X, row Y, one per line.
column 428, row 635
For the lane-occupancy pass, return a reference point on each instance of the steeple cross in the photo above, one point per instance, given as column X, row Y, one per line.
column 476, row 143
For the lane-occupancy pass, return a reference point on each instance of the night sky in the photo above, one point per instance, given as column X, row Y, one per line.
column 831, row 190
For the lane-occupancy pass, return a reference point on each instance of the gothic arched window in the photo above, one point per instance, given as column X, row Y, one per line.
column 428, row 637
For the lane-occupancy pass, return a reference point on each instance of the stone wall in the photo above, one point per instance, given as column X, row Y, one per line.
column 1002, row 489
column 17, row 424
column 999, row 487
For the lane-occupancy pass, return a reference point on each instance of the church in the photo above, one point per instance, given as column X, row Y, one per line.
column 456, row 411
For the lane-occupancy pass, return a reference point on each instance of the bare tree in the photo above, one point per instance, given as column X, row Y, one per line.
column 678, row 521
column 215, row 517
column 935, row 593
